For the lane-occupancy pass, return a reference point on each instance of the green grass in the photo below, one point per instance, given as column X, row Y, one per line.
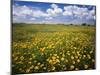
column 51, row 48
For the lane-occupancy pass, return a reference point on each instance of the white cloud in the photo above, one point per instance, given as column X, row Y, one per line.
column 32, row 18
column 38, row 13
column 58, row 10
column 94, row 17
column 67, row 13
column 21, row 10
column 25, row 10
column 93, row 11
column 92, row 14
column 49, row 18
column 79, row 12
column 52, row 14
column 54, row 10
column 68, row 8
column 54, row 6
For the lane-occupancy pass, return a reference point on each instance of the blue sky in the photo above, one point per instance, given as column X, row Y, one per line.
column 52, row 13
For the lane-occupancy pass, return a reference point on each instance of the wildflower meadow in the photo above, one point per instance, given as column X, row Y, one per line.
column 52, row 48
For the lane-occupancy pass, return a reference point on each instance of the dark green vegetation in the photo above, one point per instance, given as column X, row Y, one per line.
column 51, row 48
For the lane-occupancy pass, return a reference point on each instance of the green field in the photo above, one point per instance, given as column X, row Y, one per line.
column 52, row 48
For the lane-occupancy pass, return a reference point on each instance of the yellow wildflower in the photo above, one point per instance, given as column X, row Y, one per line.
column 76, row 69
column 55, row 54
column 93, row 60
column 16, row 58
column 89, row 56
column 50, row 46
column 85, row 66
column 33, row 56
column 41, row 65
column 78, row 60
column 57, row 60
column 36, row 67
column 73, row 62
column 53, row 57
column 91, row 52
column 30, row 58
column 54, row 62
column 72, row 57
column 84, row 56
column 32, row 67
column 72, row 67
column 44, row 68
column 66, row 60
column 35, row 61
column 73, row 52
column 63, row 55
column 20, row 69
column 30, row 62
column 21, row 57
column 42, row 49
column 62, row 59
column 28, row 70
column 38, row 63
column 74, row 47
column 50, row 61
column 68, row 53
column 53, row 68
column 76, row 56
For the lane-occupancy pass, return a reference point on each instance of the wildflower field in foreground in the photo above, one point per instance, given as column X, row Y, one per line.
column 52, row 48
